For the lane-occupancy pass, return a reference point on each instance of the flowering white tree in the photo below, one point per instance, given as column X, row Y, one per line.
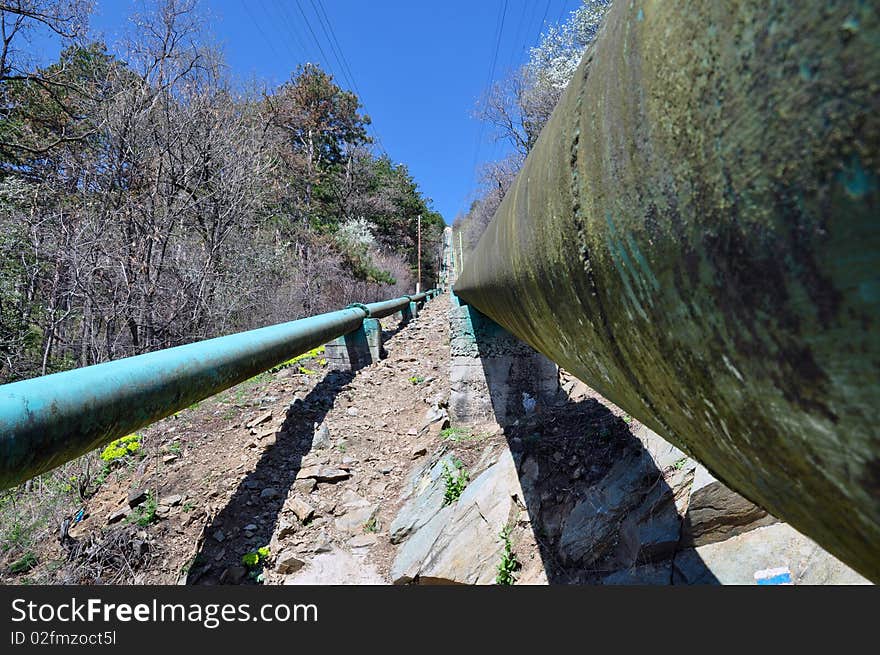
column 357, row 233
column 519, row 106
column 553, row 61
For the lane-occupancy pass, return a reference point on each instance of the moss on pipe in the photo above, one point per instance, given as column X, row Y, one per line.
column 696, row 235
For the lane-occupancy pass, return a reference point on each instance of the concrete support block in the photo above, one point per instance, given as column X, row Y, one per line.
column 494, row 377
column 350, row 352
column 414, row 309
column 373, row 332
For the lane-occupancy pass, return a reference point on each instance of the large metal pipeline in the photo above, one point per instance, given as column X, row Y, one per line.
column 696, row 235
column 52, row 419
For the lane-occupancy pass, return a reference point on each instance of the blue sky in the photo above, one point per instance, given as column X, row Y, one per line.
column 419, row 66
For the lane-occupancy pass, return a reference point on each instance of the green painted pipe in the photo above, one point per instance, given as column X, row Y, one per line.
column 387, row 307
column 696, row 235
column 49, row 420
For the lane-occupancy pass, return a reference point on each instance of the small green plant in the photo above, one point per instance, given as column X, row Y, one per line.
column 188, row 565
column 119, row 448
column 342, row 447
column 372, row 525
column 145, row 513
column 16, row 537
column 508, row 563
column 174, row 448
column 680, row 463
column 456, row 479
column 101, row 478
column 256, row 557
column 455, row 434
column 627, row 419
column 306, row 371
column 300, row 358
column 188, row 506
column 24, row 563
column 416, row 380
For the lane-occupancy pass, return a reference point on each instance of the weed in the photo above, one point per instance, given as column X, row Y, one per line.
column 627, row 419
column 16, row 537
column 306, row 371
column 174, row 448
column 145, row 513
column 119, row 448
column 508, row 563
column 187, row 566
column 300, row 358
column 250, row 559
column 680, row 463
column 372, row 525
column 457, row 435
column 24, row 563
column 254, row 561
column 416, row 380
column 188, row 506
column 342, row 447
column 101, row 478
column 456, row 479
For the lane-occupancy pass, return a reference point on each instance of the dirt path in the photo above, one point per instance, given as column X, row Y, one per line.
column 303, row 460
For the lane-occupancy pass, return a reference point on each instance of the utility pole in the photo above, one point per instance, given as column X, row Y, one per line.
column 419, row 256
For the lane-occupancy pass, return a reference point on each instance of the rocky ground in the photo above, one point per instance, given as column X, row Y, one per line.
column 310, row 476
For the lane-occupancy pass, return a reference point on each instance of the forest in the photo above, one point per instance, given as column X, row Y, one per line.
column 149, row 199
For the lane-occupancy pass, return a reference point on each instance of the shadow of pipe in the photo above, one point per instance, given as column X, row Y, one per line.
column 600, row 510
column 276, row 469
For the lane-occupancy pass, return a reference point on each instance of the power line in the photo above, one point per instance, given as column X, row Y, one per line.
column 497, row 45
column 343, row 62
column 541, row 24
column 312, row 32
column 479, row 140
column 291, row 26
column 287, row 46
column 338, row 46
column 336, row 54
column 516, row 39
column 489, row 82
column 259, row 28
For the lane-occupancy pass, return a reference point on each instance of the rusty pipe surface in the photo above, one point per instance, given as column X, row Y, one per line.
column 696, row 235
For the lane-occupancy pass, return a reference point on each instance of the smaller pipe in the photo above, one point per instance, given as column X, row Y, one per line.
column 387, row 307
column 53, row 419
